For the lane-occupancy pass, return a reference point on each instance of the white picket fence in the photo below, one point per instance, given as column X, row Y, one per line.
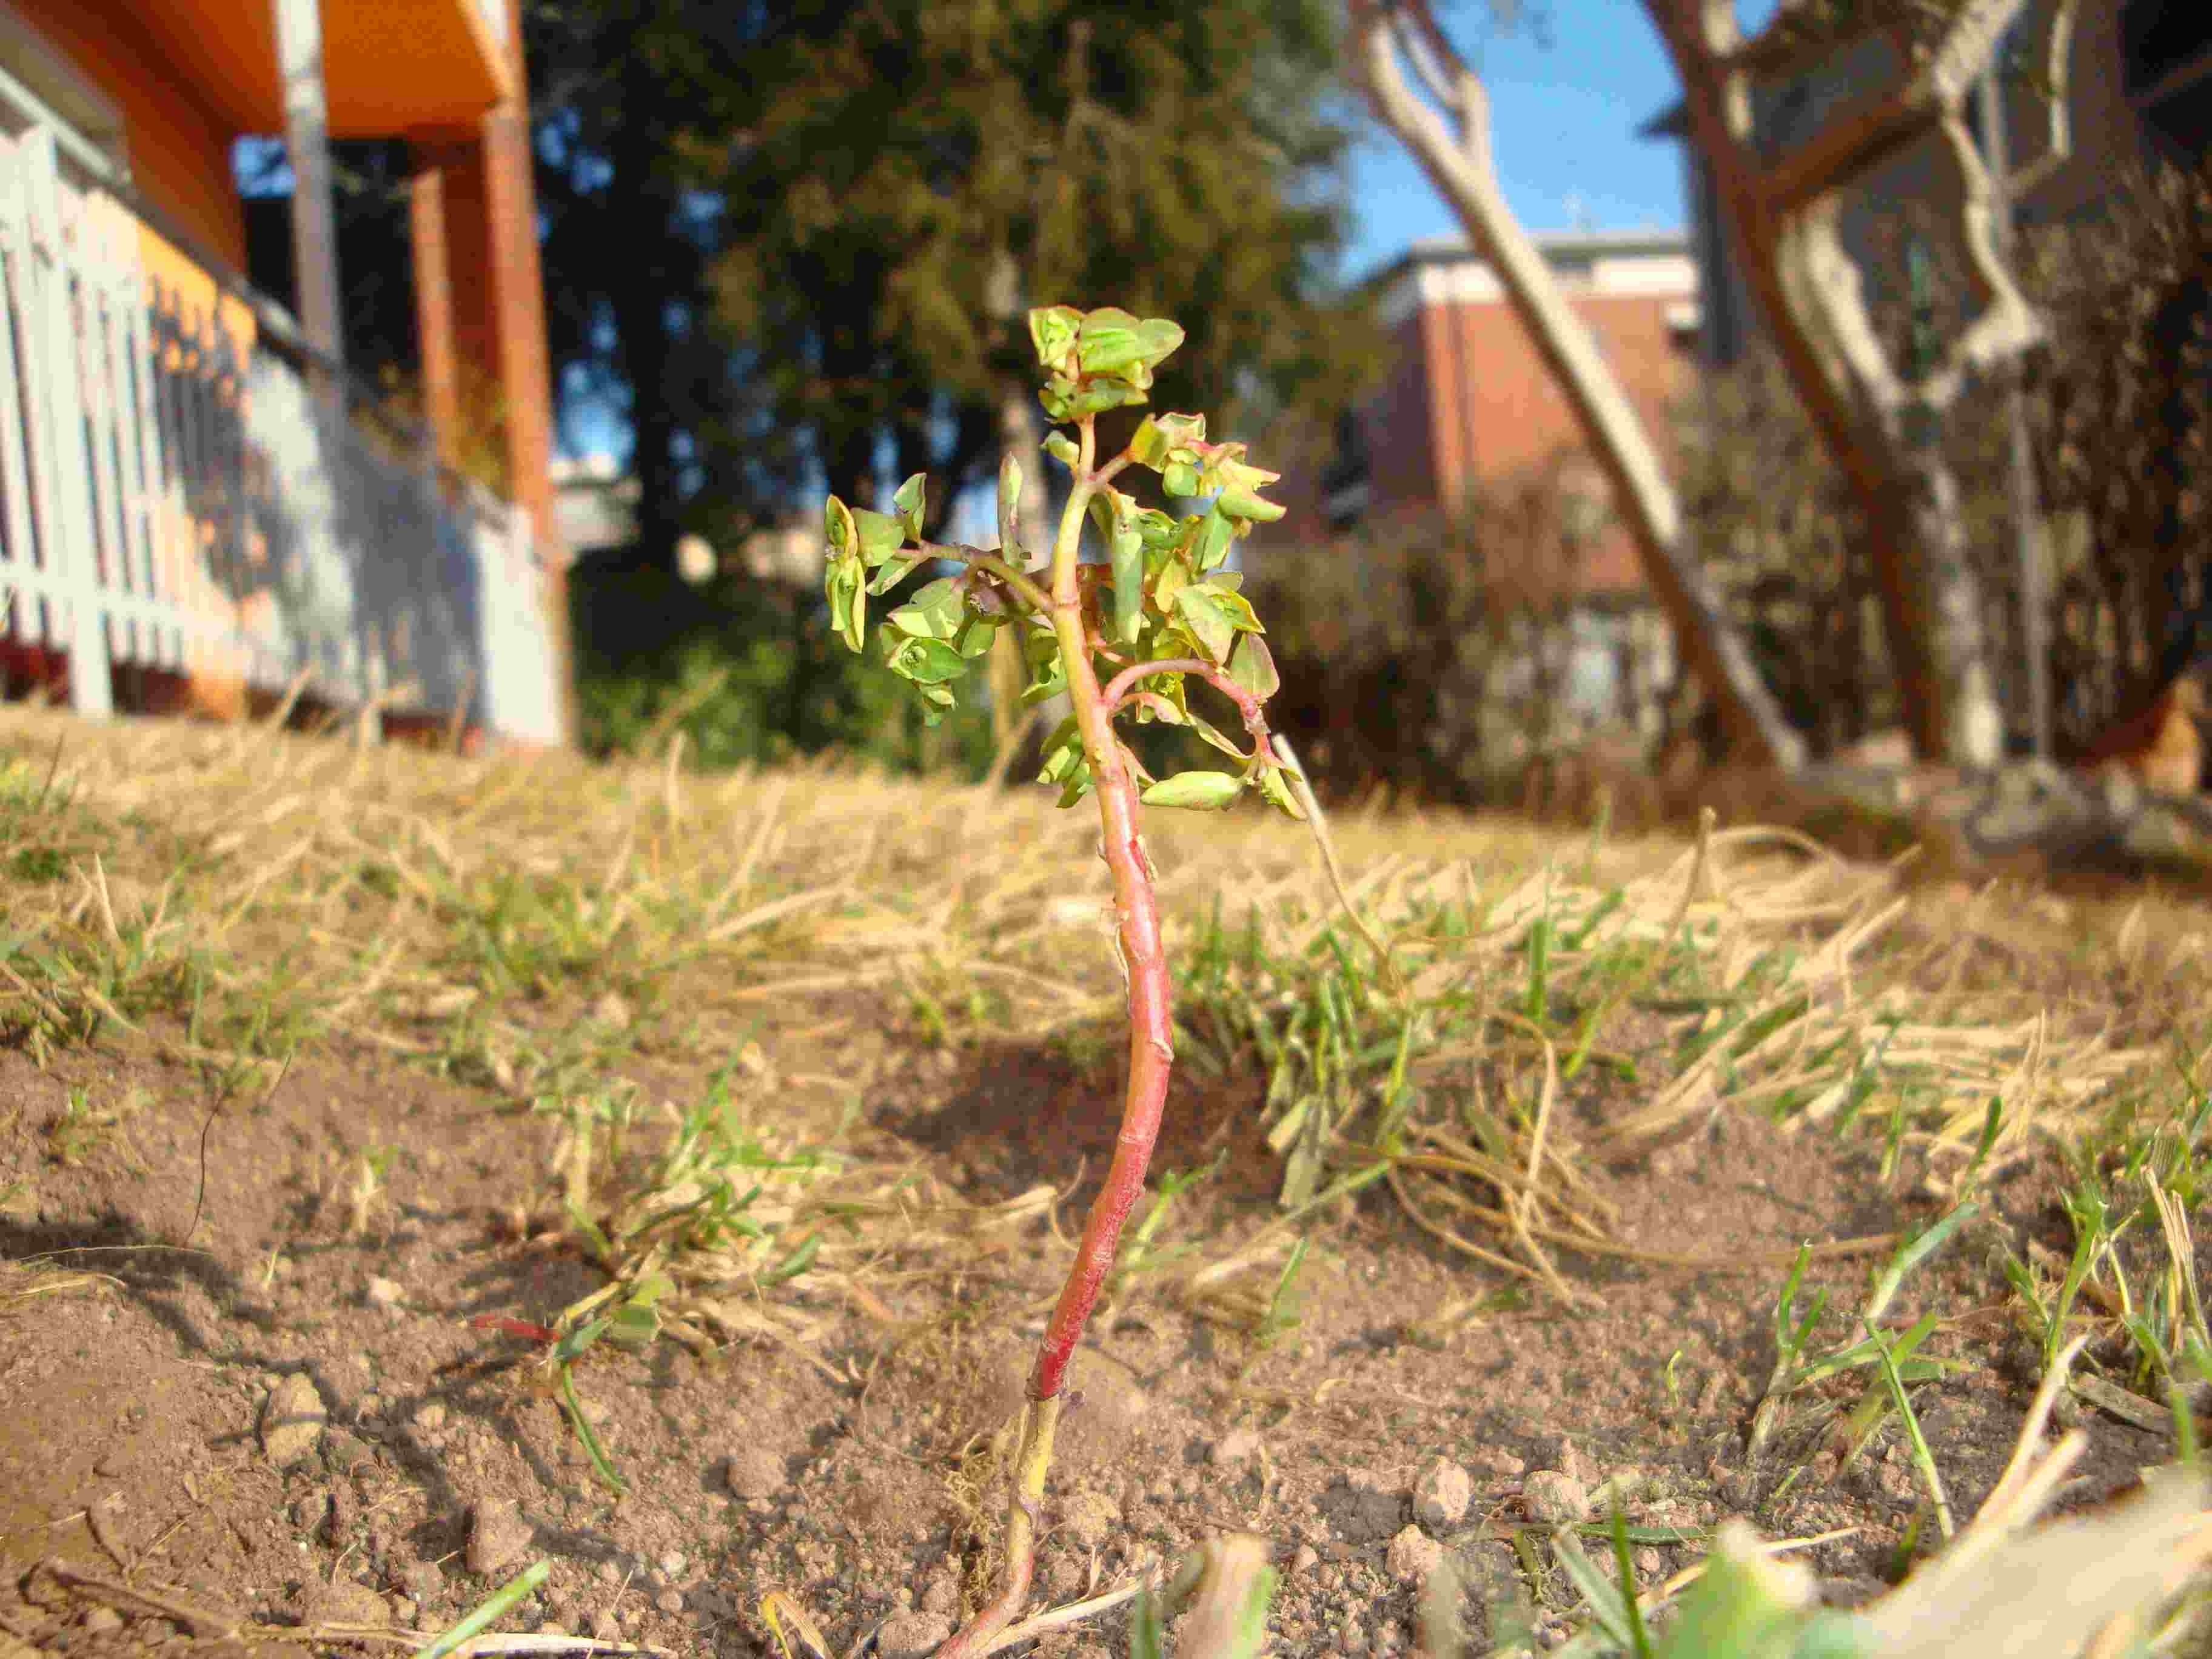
column 165, row 504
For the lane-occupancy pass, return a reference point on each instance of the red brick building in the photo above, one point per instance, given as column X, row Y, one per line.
column 1469, row 405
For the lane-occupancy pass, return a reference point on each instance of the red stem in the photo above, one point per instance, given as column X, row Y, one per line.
column 1144, row 959
column 1118, row 690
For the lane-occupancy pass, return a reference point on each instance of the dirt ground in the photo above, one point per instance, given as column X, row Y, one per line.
column 411, row 1459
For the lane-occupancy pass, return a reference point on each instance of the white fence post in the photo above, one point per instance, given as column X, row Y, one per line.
column 129, row 434
column 61, row 488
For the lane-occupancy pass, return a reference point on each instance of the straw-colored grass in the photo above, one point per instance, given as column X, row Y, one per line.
column 232, row 892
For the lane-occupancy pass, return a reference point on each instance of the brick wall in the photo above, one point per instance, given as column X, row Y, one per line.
column 1467, row 403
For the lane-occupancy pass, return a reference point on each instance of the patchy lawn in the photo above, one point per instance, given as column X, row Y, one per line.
column 412, row 1169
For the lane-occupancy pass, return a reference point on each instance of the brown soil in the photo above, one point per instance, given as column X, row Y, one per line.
column 132, row 1444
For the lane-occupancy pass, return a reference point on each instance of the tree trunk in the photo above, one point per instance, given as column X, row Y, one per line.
column 1461, row 171
column 1876, row 429
column 1018, row 438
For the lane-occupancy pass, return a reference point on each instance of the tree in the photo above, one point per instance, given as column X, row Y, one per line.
column 770, row 231
column 1387, row 34
column 904, row 165
column 1879, row 427
column 624, row 96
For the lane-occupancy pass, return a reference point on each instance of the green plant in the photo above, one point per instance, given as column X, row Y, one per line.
column 1164, row 610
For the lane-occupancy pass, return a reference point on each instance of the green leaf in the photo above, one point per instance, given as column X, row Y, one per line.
column 1180, row 478
column 1158, row 529
column 1113, row 343
column 937, row 612
column 837, row 526
column 927, row 662
column 796, row 1263
column 1048, row 672
column 1128, row 585
column 881, row 535
column 1742, row 1605
column 1202, row 792
column 580, row 1340
column 1240, row 485
column 1275, row 789
column 1242, row 504
column 1214, row 618
column 849, row 605
column 1207, row 729
column 908, row 499
column 1063, row 753
column 1159, row 434
column 1253, row 668
column 1174, row 577
column 1147, row 1632
column 895, row 571
column 974, row 639
column 1068, row 400
column 1061, row 449
column 1216, row 536
column 1053, row 330
column 1064, row 764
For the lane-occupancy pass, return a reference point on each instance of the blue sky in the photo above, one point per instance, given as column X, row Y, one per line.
column 1564, row 120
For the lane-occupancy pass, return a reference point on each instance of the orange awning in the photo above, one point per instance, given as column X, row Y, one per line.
column 389, row 66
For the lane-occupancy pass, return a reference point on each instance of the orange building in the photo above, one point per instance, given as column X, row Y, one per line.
column 126, row 112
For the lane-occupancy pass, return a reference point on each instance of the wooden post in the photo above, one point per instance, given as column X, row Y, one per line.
column 307, row 143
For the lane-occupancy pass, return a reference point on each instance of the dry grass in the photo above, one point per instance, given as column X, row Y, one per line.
column 542, row 927
column 232, row 893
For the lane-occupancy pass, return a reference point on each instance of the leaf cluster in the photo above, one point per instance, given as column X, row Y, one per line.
column 1165, row 595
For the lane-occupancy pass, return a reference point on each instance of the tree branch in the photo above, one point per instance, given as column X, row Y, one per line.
column 1877, row 126
column 1461, row 170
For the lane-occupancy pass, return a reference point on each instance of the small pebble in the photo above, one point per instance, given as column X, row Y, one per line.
column 755, row 1472
column 425, row 1582
column 292, row 1420
column 1413, row 1556
column 941, row 1596
column 1441, row 1494
column 345, row 1602
column 498, row 1536
column 1554, row 1498
column 669, row 1600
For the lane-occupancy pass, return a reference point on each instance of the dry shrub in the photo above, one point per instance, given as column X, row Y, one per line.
column 1435, row 657
column 2113, row 407
column 2120, row 439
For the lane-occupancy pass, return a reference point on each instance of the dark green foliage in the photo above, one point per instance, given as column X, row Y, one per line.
column 1174, row 159
column 746, row 671
column 771, row 231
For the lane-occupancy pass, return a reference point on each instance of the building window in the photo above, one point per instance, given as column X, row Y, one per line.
column 1346, row 487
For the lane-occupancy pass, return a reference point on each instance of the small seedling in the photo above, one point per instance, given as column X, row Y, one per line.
column 1122, row 640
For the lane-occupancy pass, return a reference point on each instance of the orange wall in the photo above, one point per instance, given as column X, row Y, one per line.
column 179, row 151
